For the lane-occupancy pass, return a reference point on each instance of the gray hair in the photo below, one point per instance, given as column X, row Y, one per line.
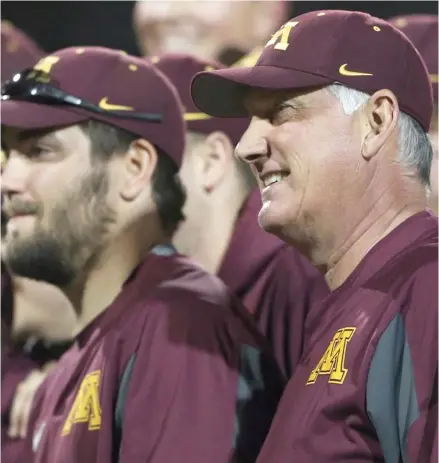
column 414, row 148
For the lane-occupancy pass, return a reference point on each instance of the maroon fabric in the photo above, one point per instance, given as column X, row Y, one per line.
column 422, row 30
column 322, row 48
column 276, row 284
column 323, row 418
column 181, row 69
column 182, row 395
column 15, row 367
column 95, row 73
column 18, row 51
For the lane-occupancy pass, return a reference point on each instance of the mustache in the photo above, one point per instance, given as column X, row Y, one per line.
column 19, row 207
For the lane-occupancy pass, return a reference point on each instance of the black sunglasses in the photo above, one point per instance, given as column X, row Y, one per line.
column 38, row 87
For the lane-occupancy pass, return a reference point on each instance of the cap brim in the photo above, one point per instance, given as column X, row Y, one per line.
column 221, row 93
column 32, row 116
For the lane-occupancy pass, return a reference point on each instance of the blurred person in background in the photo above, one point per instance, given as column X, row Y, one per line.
column 37, row 319
column 343, row 167
column 274, row 281
column 18, row 51
column 166, row 364
column 219, row 30
column 422, row 30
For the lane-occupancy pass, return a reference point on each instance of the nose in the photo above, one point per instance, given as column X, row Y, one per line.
column 253, row 147
column 13, row 175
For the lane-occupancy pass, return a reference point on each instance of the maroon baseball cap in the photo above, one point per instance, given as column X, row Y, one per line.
column 102, row 84
column 180, row 69
column 422, row 30
column 320, row 48
column 18, row 50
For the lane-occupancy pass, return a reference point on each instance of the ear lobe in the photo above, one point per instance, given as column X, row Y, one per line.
column 382, row 113
column 217, row 158
column 139, row 163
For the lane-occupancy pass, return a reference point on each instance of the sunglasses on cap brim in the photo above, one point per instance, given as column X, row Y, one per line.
column 34, row 86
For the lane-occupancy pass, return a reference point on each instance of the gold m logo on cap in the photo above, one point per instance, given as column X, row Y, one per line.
column 434, row 78
column 345, row 72
column 46, row 64
column 103, row 104
column 281, row 37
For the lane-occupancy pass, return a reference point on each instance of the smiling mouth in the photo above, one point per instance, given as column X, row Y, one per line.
column 273, row 178
column 18, row 216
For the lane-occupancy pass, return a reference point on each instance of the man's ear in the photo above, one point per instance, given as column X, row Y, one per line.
column 382, row 113
column 138, row 164
column 217, row 159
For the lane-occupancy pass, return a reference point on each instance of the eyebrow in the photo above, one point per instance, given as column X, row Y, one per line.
column 24, row 136
column 37, row 133
column 295, row 102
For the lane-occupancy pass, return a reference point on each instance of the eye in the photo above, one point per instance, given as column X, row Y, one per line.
column 279, row 115
column 36, row 151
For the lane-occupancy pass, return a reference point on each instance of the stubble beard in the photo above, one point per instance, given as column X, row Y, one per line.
column 77, row 226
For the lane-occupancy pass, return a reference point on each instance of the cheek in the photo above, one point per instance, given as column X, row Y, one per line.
column 187, row 176
column 299, row 148
column 47, row 186
column 192, row 187
column 54, row 184
column 320, row 161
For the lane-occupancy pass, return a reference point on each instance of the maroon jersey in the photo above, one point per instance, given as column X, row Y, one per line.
column 275, row 283
column 366, row 387
column 172, row 371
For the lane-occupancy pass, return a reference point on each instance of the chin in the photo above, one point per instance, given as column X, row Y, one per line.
column 39, row 258
column 273, row 219
column 285, row 223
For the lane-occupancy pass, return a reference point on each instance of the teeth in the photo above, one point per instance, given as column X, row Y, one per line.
column 273, row 178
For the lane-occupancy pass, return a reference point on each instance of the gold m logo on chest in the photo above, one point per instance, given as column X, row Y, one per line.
column 332, row 362
column 86, row 407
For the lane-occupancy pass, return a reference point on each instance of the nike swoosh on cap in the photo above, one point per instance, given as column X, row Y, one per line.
column 103, row 104
column 345, row 72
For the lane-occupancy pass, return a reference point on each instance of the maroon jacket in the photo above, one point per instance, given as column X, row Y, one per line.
column 190, row 368
column 366, row 387
column 275, row 282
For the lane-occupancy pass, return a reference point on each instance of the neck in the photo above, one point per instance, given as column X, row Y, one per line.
column 363, row 236
column 101, row 284
column 216, row 232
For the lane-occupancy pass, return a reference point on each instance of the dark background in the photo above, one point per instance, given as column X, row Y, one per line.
column 57, row 24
